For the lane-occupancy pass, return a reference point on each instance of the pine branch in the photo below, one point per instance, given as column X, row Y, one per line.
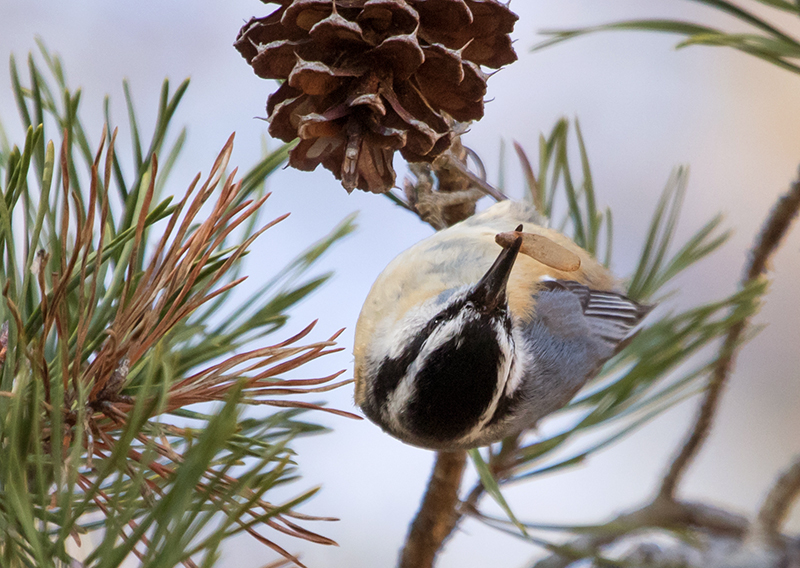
column 659, row 514
column 120, row 403
column 458, row 188
column 760, row 38
column 776, row 507
column 453, row 202
column 437, row 515
column 667, row 513
column 772, row 232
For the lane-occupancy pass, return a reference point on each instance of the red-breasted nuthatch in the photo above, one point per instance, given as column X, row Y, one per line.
column 461, row 343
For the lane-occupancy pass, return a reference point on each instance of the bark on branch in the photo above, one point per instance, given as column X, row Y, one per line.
column 771, row 235
column 437, row 516
column 777, row 505
column 659, row 514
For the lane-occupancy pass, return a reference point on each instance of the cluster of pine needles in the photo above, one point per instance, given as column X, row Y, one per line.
column 125, row 363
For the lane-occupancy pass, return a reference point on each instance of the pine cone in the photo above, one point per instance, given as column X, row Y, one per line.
column 363, row 78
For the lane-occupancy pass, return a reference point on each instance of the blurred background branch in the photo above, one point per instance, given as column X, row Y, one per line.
column 772, row 233
column 764, row 39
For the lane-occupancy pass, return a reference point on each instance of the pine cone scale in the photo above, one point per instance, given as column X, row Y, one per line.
column 276, row 59
column 383, row 18
column 443, row 14
column 403, row 53
column 304, row 14
column 335, row 28
column 421, row 135
column 316, row 78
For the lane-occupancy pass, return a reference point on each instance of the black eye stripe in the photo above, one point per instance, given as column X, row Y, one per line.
column 413, row 349
column 456, row 384
column 391, row 371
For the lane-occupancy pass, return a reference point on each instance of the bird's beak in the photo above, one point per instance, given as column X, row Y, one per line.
column 490, row 291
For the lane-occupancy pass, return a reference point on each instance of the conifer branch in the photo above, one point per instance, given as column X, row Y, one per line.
column 437, row 516
column 454, row 201
column 666, row 512
column 772, row 232
column 120, row 394
column 659, row 514
column 776, row 506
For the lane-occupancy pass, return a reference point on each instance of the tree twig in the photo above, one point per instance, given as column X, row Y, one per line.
column 665, row 511
column 772, row 232
column 446, row 191
column 437, row 515
column 776, row 506
column 659, row 514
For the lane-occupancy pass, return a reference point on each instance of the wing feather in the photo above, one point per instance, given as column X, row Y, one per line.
column 611, row 316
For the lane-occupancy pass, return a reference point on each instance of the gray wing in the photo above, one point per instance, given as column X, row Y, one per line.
column 575, row 330
column 610, row 316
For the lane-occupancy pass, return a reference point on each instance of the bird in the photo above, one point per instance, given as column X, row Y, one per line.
column 461, row 342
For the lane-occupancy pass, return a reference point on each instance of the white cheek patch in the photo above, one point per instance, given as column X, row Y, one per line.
column 523, row 362
column 398, row 401
column 390, row 340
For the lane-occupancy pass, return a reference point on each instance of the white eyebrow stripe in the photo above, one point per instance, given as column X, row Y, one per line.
column 442, row 334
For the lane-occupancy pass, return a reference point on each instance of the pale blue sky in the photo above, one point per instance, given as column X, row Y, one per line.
column 643, row 107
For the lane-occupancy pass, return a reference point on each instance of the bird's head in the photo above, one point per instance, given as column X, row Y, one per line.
column 438, row 373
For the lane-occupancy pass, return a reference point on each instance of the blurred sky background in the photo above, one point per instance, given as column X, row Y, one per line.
column 644, row 108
